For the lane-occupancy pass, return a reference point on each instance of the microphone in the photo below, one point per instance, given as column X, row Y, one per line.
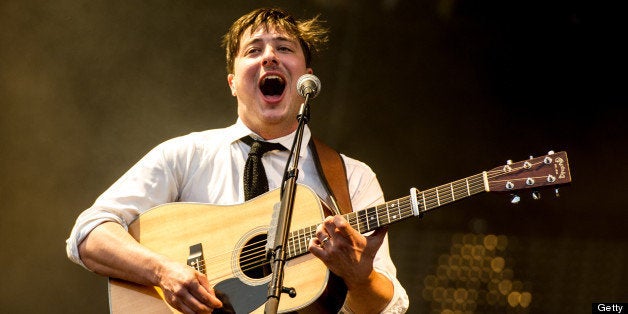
column 308, row 85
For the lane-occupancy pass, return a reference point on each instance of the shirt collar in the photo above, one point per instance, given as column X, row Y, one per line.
column 239, row 130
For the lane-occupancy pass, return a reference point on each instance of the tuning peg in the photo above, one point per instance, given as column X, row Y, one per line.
column 536, row 195
column 556, row 192
column 515, row 199
column 531, row 157
column 551, row 152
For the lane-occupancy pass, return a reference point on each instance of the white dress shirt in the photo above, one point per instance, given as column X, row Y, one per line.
column 208, row 167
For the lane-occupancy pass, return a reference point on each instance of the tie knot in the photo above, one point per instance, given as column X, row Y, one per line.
column 259, row 148
column 255, row 181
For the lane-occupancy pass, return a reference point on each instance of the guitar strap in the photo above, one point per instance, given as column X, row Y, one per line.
column 333, row 175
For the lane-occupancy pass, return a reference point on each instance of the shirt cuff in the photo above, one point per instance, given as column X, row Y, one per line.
column 80, row 232
column 398, row 303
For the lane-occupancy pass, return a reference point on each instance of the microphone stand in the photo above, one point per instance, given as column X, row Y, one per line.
column 288, row 192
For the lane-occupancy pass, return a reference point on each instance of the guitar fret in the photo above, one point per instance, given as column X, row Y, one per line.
column 383, row 216
column 366, row 219
column 302, row 236
column 398, row 214
column 377, row 222
column 302, row 242
column 357, row 222
column 453, row 196
column 442, row 197
column 310, row 235
column 299, row 237
column 395, row 208
column 296, row 243
column 409, row 206
column 305, row 240
column 456, row 191
column 437, row 196
column 433, row 194
column 478, row 184
column 392, row 217
column 369, row 218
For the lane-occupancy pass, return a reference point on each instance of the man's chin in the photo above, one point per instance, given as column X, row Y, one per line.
column 274, row 112
column 277, row 119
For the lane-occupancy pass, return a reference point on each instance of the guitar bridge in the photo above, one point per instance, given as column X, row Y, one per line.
column 196, row 259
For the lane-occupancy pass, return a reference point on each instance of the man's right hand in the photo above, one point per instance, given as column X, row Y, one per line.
column 186, row 289
column 110, row 250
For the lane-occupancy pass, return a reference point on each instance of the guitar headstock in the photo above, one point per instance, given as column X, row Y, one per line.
column 543, row 171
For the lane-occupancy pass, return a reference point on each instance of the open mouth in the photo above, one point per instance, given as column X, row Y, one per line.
column 272, row 85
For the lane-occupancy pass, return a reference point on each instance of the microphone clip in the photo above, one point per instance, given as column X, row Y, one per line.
column 304, row 112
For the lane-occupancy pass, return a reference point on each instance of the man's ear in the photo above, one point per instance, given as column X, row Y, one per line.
column 231, row 82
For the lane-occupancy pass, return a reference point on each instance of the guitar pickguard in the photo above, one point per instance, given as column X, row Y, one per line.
column 240, row 297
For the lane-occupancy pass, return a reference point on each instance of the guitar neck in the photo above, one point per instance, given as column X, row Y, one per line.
column 396, row 210
column 543, row 171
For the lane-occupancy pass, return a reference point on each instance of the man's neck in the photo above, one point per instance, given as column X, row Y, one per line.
column 269, row 132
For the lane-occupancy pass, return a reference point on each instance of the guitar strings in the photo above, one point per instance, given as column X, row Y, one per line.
column 256, row 257
column 353, row 219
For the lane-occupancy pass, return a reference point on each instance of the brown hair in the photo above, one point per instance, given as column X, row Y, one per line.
column 311, row 35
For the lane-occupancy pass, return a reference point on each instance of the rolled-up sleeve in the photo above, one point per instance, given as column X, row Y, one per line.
column 147, row 184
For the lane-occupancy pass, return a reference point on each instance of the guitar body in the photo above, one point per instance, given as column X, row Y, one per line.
column 223, row 232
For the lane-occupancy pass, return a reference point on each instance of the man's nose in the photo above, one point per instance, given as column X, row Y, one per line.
column 270, row 57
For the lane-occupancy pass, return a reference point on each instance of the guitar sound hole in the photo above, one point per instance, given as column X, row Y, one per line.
column 253, row 262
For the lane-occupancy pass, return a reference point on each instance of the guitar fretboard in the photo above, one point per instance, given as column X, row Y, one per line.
column 382, row 215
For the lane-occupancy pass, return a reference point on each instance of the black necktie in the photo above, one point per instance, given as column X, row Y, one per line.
column 255, row 181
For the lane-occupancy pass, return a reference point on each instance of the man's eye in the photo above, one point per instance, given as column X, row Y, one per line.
column 252, row 51
column 284, row 48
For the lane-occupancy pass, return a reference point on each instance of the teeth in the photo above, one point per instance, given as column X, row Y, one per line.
column 274, row 77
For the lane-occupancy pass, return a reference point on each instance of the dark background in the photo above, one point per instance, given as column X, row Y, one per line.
column 426, row 92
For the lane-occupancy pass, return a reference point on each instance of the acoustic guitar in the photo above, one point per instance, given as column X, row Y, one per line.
column 228, row 243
